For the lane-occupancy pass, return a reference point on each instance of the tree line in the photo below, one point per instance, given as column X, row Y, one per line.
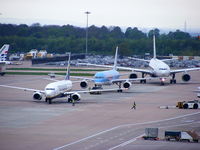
column 101, row 40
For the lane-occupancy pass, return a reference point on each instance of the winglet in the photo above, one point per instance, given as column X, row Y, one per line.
column 68, row 68
column 115, row 61
column 154, row 47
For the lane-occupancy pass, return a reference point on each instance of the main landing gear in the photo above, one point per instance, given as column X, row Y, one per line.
column 173, row 80
column 48, row 100
column 119, row 84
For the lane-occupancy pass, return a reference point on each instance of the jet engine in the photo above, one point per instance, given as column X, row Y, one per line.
column 127, row 84
column 76, row 97
column 133, row 76
column 37, row 95
column 186, row 77
column 84, row 84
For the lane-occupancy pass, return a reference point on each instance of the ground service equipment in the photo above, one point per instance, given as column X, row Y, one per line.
column 195, row 104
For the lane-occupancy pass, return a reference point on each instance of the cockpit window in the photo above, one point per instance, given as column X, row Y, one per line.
column 50, row 89
column 162, row 68
column 98, row 77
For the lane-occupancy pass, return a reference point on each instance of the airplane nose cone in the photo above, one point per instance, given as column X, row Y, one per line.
column 49, row 94
column 164, row 73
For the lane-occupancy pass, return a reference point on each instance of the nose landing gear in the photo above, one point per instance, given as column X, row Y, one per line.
column 173, row 80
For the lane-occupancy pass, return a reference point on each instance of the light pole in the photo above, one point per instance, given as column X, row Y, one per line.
column 86, row 38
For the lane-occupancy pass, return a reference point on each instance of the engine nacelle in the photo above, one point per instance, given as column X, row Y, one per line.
column 76, row 97
column 37, row 95
column 133, row 76
column 127, row 84
column 84, row 84
column 186, row 77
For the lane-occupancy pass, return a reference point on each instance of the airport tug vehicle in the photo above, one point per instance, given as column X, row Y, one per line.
column 195, row 104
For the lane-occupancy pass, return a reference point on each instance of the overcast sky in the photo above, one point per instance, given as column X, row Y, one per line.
column 123, row 13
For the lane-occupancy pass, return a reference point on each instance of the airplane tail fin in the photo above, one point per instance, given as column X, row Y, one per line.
column 68, row 68
column 4, row 52
column 154, row 47
column 115, row 61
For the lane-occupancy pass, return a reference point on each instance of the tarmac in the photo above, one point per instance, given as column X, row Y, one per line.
column 96, row 122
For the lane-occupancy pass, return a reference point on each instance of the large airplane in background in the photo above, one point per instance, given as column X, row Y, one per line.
column 159, row 69
column 3, row 53
column 57, row 89
column 108, row 77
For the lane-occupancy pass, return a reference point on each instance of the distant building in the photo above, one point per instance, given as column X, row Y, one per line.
column 32, row 54
column 42, row 54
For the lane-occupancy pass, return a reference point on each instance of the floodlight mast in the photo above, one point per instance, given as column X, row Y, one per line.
column 86, row 38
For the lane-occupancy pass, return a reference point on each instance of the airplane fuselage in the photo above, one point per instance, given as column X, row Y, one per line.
column 159, row 68
column 105, row 77
column 56, row 89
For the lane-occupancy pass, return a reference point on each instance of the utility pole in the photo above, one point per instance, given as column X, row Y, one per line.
column 86, row 38
column 185, row 26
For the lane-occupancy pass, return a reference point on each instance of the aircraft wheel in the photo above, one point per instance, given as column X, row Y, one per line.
column 195, row 106
column 185, row 106
column 142, row 81
column 174, row 81
column 162, row 83
column 120, row 90
column 171, row 81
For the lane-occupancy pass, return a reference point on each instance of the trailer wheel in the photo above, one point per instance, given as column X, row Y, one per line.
column 185, row 106
column 195, row 106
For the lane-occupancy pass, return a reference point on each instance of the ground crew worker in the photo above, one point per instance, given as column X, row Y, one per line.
column 73, row 103
column 134, row 105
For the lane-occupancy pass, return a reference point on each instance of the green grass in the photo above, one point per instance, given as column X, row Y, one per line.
column 45, row 69
column 46, row 73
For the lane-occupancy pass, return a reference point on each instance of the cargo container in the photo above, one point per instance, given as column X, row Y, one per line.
column 151, row 134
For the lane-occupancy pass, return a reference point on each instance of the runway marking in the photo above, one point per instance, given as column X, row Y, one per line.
column 134, row 139
column 124, row 125
column 127, row 142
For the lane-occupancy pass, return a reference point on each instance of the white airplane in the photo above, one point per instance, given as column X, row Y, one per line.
column 108, row 77
column 3, row 54
column 159, row 69
column 57, row 89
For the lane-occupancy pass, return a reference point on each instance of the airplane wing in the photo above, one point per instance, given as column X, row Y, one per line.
column 123, row 68
column 169, row 59
column 73, row 77
column 98, row 90
column 21, row 88
column 184, row 70
column 88, row 64
column 136, row 70
column 130, row 80
column 82, row 78
column 51, row 79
